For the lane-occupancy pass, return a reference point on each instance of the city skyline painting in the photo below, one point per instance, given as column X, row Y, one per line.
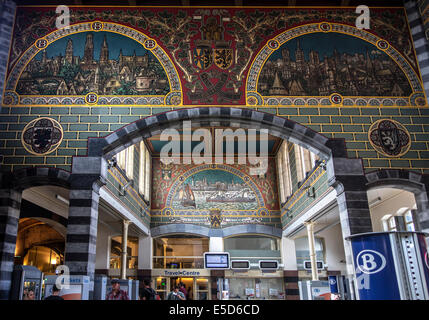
column 320, row 64
column 99, row 62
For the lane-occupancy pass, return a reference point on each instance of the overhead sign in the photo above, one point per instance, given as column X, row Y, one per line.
column 216, row 260
column 319, row 264
column 240, row 264
column 268, row 265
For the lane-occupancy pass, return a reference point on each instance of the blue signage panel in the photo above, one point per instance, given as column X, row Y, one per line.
column 374, row 267
column 333, row 284
column 425, row 258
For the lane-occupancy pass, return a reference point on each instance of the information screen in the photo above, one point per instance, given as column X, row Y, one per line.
column 216, row 260
column 268, row 264
column 240, row 264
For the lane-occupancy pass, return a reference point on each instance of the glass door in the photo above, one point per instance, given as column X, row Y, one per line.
column 161, row 287
column 202, row 289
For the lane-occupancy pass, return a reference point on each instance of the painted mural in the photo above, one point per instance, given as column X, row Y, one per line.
column 233, row 56
column 100, row 62
column 213, row 195
column 320, row 64
column 215, row 189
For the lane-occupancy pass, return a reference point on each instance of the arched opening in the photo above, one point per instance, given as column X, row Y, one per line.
column 392, row 209
column 40, row 245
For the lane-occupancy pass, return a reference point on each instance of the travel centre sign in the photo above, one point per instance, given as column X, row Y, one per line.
column 181, row 272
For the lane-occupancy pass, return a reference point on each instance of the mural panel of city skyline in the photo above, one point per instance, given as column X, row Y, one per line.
column 215, row 189
column 101, row 62
column 320, row 64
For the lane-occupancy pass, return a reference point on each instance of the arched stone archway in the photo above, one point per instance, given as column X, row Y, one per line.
column 405, row 180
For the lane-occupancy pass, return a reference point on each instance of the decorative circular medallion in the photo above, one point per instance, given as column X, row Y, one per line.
column 167, row 211
column 336, row 98
column 382, row 44
column 42, row 136
column 325, row 27
column 91, row 98
column 252, row 101
column 10, row 98
column 263, row 212
column 97, row 26
column 149, row 44
column 273, row 44
column 41, row 43
column 389, row 138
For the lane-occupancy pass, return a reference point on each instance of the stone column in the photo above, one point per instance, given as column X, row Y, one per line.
column 124, row 255
column 347, row 177
column 312, row 249
column 216, row 244
column 421, row 43
column 7, row 14
column 81, row 240
column 290, row 269
column 10, row 202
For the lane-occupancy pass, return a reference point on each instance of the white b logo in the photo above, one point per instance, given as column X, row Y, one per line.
column 370, row 261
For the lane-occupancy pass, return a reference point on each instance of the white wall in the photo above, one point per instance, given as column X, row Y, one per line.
column 145, row 252
column 102, row 255
column 334, row 248
column 288, row 254
column 392, row 201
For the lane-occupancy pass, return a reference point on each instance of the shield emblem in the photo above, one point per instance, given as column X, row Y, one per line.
column 389, row 138
column 223, row 57
column 215, row 218
column 203, row 57
column 42, row 136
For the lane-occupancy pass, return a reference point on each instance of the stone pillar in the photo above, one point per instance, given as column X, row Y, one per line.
column 7, row 15
column 347, row 177
column 10, row 202
column 124, row 254
column 290, row 269
column 312, row 249
column 216, row 244
column 421, row 43
column 81, row 240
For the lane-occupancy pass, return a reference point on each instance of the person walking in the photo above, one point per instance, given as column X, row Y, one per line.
column 176, row 294
column 117, row 293
column 147, row 293
column 55, row 294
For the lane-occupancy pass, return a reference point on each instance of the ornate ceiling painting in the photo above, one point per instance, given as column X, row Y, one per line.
column 212, row 56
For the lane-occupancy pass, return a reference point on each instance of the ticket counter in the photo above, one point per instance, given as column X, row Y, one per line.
column 254, row 285
column 196, row 282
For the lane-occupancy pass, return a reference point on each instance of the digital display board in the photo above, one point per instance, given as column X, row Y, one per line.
column 216, row 260
column 240, row 264
column 268, row 265
column 307, row 265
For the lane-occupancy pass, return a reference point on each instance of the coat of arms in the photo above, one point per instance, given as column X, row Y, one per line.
column 389, row 138
column 215, row 218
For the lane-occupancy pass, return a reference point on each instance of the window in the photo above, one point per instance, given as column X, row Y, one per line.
column 283, row 169
column 178, row 253
column 305, row 162
column 144, row 172
column 391, row 224
column 125, row 160
column 409, row 223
